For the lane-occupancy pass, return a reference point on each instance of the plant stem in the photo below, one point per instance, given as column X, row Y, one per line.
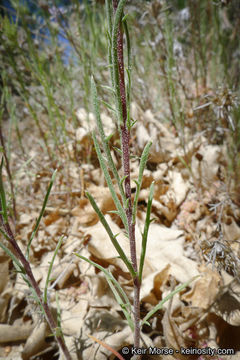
column 27, row 268
column 125, row 141
column 9, row 175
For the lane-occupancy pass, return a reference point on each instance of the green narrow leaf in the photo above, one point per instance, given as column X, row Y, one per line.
column 111, row 235
column 109, row 106
column 136, row 182
column 105, row 140
column 97, row 110
column 133, row 123
column 18, row 265
column 142, row 165
column 123, row 179
column 128, row 70
column 109, row 66
column 59, row 326
column 117, row 290
column 3, row 196
column 125, row 18
column 50, row 268
column 108, row 138
column 108, row 5
column 113, row 212
column 118, row 150
column 134, row 157
column 110, row 184
column 109, row 88
column 186, row 165
column 41, row 213
column 109, row 12
column 145, row 232
column 168, row 297
column 123, row 305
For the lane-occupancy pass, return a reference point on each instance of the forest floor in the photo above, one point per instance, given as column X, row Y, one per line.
column 181, row 53
column 195, row 232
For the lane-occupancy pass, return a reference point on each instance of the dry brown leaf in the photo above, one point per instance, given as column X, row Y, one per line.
column 36, row 341
column 15, row 332
column 51, row 218
column 205, row 171
column 159, row 280
column 114, row 339
column 204, row 290
column 167, row 196
column 165, row 246
column 4, row 303
column 186, row 317
column 227, row 305
column 63, row 273
column 100, row 245
column 155, row 294
column 231, row 229
column 164, row 142
column 4, row 266
column 222, row 334
column 56, row 228
column 178, row 188
column 85, row 213
column 72, row 316
column 25, row 219
column 174, row 337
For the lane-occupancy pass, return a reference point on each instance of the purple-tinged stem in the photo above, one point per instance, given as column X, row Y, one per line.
column 125, row 138
column 20, row 256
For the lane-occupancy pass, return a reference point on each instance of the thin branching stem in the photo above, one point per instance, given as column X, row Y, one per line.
column 27, row 268
column 23, row 266
column 48, row 315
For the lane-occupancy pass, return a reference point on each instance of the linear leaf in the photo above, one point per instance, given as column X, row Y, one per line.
column 109, row 12
column 108, row 138
column 111, row 235
column 145, row 232
column 168, row 297
column 59, row 327
column 128, row 70
column 41, row 213
column 3, row 196
column 123, row 179
column 110, row 184
column 109, row 106
column 104, row 139
column 18, row 265
column 116, row 288
column 142, row 165
column 50, row 268
column 118, row 150
column 109, row 88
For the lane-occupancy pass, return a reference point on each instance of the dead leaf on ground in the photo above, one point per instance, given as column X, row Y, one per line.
column 204, row 290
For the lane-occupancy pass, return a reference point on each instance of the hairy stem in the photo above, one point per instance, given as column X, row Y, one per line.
column 125, row 140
